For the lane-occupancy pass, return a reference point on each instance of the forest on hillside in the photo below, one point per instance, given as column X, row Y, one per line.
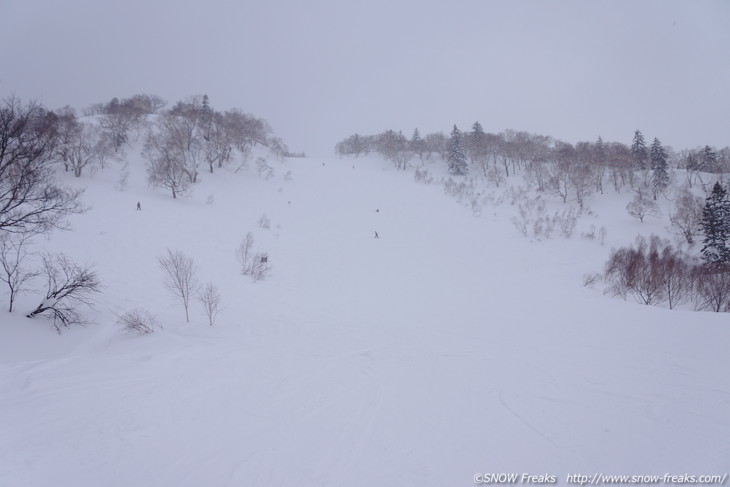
column 652, row 270
column 38, row 144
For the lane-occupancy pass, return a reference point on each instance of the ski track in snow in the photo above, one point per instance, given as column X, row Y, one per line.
column 448, row 346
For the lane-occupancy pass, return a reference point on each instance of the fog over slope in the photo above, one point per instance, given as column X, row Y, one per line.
column 449, row 346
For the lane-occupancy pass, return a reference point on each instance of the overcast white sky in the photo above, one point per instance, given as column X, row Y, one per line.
column 319, row 70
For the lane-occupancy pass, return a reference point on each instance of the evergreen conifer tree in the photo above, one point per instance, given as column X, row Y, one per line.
column 600, row 151
column 477, row 129
column 206, row 118
column 716, row 227
column 691, row 164
column 456, row 157
column 660, row 176
column 638, row 151
column 113, row 106
column 476, row 144
column 709, row 159
column 416, row 144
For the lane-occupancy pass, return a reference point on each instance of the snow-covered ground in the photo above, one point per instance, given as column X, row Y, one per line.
column 451, row 345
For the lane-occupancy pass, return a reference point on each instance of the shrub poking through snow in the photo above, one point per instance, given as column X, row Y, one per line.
column 254, row 265
column 264, row 222
column 532, row 220
column 259, row 266
column 263, row 169
column 138, row 321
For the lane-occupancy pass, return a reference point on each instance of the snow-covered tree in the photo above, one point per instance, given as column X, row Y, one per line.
column 660, row 174
column 477, row 147
column 600, row 151
column 164, row 167
column 716, row 228
column 456, row 156
column 638, row 151
column 709, row 160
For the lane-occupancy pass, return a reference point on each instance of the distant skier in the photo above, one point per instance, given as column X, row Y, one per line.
column 376, row 235
column 139, row 205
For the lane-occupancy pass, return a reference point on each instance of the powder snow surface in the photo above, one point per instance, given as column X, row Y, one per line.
column 450, row 346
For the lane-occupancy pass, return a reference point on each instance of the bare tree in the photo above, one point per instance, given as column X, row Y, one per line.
column 564, row 174
column 211, row 300
column 105, row 150
column 68, row 286
column 67, row 126
column 181, row 133
column 179, row 276
column 712, row 289
column 354, row 144
column 642, row 205
column 244, row 253
column 636, row 271
column 164, row 168
column 537, row 172
column 687, row 215
column 620, row 165
column 93, row 109
column 435, row 143
column 495, row 175
column 676, row 275
column 654, row 271
column 87, row 146
column 157, row 103
column 217, row 142
column 245, row 130
column 30, row 200
column 119, row 123
column 580, row 178
column 597, row 155
column 13, row 252
column 394, row 147
column 559, row 179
